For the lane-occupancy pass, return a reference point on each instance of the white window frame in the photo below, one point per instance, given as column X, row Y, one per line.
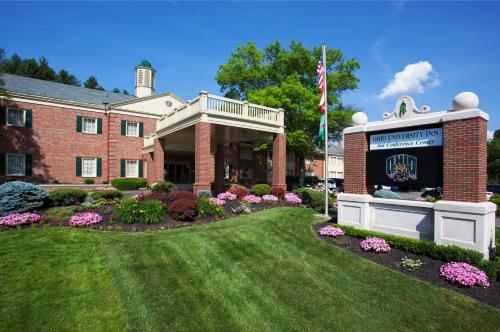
column 83, row 125
column 7, row 164
column 94, row 175
column 7, row 117
column 127, row 172
column 126, row 128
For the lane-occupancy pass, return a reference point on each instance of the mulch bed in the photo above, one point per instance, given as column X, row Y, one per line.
column 429, row 272
column 109, row 224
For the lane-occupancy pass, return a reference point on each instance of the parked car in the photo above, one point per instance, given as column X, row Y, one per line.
column 494, row 188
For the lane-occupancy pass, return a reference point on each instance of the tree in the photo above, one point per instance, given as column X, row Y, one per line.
column 2, row 57
column 116, row 90
column 125, row 92
column 278, row 77
column 66, row 78
column 91, row 83
column 494, row 159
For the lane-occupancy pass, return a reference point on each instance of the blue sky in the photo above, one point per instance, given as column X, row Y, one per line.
column 439, row 48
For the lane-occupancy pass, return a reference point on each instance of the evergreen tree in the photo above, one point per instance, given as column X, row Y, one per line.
column 116, row 90
column 125, row 92
column 66, row 78
column 91, row 83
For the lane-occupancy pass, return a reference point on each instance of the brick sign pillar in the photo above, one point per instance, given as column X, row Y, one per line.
column 279, row 160
column 355, row 148
column 202, row 158
column 158, row 166
column 464, row 160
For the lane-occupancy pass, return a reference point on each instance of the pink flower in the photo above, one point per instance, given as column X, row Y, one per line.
column 15, row 219
column 227, row 196
column 375, row 244
column 252, row 199
column 464, row 274
column 103, row 188
column 217, row 201
column 331, row 231
column 293, row 199
column 270, row 198
column 84, row 219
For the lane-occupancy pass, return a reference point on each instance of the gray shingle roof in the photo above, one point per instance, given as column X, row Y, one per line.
column 32, row 86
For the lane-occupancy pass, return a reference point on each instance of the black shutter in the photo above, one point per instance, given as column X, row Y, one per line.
column 28, row 118
column 3, row 115
column 140, row 168
column 99, row 125
column 99, row 167
column 123, row 127
column 79, row 123
column 78, row 166
column 28, row 165
column 122, row 168
column 2, row 163
column 141, row 129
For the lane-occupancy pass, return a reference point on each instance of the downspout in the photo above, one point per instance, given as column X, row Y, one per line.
column 107, row 114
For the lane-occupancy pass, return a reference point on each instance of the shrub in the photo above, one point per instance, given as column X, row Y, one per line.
column 204, row 193
column 84, row 219
column 161, row 196
column 64, row 212
column 217, row 201
column 464, row 274
column 331, row 231
column 182, row 209
column 261, row 189
column 166, row 186
column 313, row 198
column 88, row 181
column 238, row 190
column 106, row 194
column 147, row 212
column 270, row 198
column 293, row 199
column 85, row 206
column 104, row 201
column 375, row 244
column 19, row 196
column 175, row 196
column 16, row 219
column 410, row 264
column 278, row 192
column 382, row 193
column 252, row 199
column 207, row 208
column 227, row 196
column 128, row 184
column 64, row 197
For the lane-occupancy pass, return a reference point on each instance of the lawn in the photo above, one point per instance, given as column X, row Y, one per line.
column 264, row 271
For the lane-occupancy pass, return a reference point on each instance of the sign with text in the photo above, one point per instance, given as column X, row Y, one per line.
column 419, row 138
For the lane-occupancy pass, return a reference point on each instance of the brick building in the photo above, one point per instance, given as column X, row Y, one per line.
column 52, row 132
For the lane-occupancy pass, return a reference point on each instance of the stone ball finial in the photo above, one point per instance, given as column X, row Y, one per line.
column 465, row 101
column 359, row 119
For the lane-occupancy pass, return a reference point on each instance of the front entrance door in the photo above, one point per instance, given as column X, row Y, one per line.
column 178, row 172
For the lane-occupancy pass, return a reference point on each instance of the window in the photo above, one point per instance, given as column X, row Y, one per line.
column 15, row 117
column 133, row 129
column 89, row 167
column 16, row 164
column 89, row 125
column 132, row 168
column 246, row 154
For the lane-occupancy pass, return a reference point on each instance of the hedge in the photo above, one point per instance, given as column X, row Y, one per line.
column 128, row 184
column 261, row 189
column 106, row 194
column 64, row 197
column 313, row 198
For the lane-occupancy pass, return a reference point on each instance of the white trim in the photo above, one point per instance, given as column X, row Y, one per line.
column 14, row 109
column 94, row 175
column 83, row 125
column 7, row 164
column 126, row 128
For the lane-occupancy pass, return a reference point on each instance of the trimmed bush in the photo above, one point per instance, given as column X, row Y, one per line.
column 88, row 181
column 207, row 208
column 238, row 190
column 278, row 192
column 313, row 198
column 19, row 196
column 166, row 186
column 175, row 196
column 161, row 196
column 261, row 189
column 128, row 184
column 147, row 212
column 182, row 209
column 383, row 193
column 64, row 197
column 106, row 194
column 204, row 193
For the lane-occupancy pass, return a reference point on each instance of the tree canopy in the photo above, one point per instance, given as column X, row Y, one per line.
column 287, row 78
column 494, row 158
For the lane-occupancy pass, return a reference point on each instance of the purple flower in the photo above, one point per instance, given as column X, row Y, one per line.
column 270, row 198
column 331, row 231
column 252, row 199
column 375, row 244
column 293, row 199
column 84, row 219
column 227, row 196
column 217, row 201
column 15, row 219
column 464, row 274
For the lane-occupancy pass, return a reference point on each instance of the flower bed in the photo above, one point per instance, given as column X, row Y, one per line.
column 330, row 231
column 84, row 219
column 270, row 198
column 217, row 201
column 17, row 219
column 227, row 196
column 375, row 244
column 464, row 274
column 293, row 199
column 252, row 199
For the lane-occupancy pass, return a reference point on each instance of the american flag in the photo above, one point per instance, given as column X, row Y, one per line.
column 321, row 84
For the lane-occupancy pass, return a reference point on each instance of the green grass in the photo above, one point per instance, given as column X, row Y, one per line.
column 264, row 271
column 64, row 212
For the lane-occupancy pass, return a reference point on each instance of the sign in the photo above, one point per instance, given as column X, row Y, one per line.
column 419, row 138
column 407, row 167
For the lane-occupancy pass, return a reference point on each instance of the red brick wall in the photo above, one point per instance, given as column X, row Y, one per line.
column 202, row 157
column 355, row 148
column 279, row 160
column 54, row 143
column 317, row 166
column 464, row 160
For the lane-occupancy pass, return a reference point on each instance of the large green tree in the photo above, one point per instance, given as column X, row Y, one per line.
column 286, row 78
column 91, row 83
column 494, row 158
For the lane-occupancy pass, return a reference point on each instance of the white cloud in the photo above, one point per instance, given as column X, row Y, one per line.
column 489, row 134
column 415, row 78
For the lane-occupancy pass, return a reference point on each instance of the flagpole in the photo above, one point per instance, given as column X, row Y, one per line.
column 325, row 95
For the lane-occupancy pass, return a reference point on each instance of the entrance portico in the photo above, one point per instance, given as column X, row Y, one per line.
column 200, row 135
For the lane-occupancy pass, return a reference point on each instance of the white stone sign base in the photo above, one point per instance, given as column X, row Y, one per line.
column 467, row 225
